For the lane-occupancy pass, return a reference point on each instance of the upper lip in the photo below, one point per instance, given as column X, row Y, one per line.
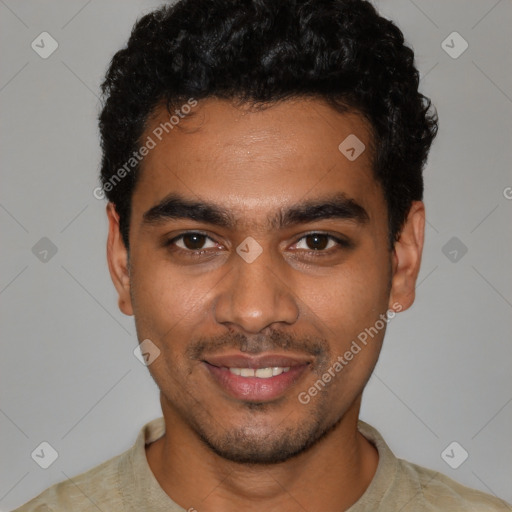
column 239, row 360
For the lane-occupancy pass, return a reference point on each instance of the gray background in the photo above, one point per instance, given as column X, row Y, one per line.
column 68, row 374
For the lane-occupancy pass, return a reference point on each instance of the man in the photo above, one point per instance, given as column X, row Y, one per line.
column 263, row 164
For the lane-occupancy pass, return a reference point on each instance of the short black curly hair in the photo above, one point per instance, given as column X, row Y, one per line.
column 262, row 52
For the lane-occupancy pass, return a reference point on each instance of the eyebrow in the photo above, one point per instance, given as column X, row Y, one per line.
column 177, row 207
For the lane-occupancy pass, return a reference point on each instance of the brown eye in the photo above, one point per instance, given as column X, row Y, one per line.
column 317, row 242
column 321, row 243
column 193, row 242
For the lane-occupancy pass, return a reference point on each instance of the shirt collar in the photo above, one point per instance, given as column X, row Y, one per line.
column 140, row 489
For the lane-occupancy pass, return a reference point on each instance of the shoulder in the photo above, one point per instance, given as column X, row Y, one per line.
column 437, row 492
column 97, row 486
column 402, row 485
column 113, row 485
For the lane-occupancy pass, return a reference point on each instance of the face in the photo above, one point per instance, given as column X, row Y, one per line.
column 258, row 257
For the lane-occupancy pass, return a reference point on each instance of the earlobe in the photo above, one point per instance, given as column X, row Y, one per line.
column 117, row 257
column 407, row 258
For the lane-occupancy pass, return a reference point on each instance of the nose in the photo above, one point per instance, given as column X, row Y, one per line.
column 255, row 295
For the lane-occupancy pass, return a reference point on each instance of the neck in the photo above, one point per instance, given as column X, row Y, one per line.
column 341, row 465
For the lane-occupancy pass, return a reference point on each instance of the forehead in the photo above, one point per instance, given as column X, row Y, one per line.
column 255, row 162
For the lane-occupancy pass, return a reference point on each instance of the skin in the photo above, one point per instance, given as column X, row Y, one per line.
column 292, row 299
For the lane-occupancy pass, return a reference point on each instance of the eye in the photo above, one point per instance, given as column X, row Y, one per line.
column 320, row 242
column 193, row 242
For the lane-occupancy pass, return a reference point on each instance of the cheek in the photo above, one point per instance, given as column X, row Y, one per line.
column 350, row 309
column 350, row 300
column 167, row 310
column 164, row 301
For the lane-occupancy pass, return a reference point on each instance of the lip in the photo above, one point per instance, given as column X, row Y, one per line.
column 254, row 389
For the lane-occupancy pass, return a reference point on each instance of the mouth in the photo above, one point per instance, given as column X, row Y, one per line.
column 256, row 379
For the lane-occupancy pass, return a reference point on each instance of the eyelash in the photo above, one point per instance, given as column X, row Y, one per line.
column 189, row 252
column 342, row 244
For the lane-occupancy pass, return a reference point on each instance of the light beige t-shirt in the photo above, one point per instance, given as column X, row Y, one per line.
column 125, row 483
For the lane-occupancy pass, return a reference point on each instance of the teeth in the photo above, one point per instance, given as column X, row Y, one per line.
column 260, row 373
column 263, row 373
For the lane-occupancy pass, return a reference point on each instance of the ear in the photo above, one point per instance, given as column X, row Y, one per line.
column 407, row 258
column 117, row 257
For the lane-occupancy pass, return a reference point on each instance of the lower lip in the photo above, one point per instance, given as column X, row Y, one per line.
column 252, row 388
